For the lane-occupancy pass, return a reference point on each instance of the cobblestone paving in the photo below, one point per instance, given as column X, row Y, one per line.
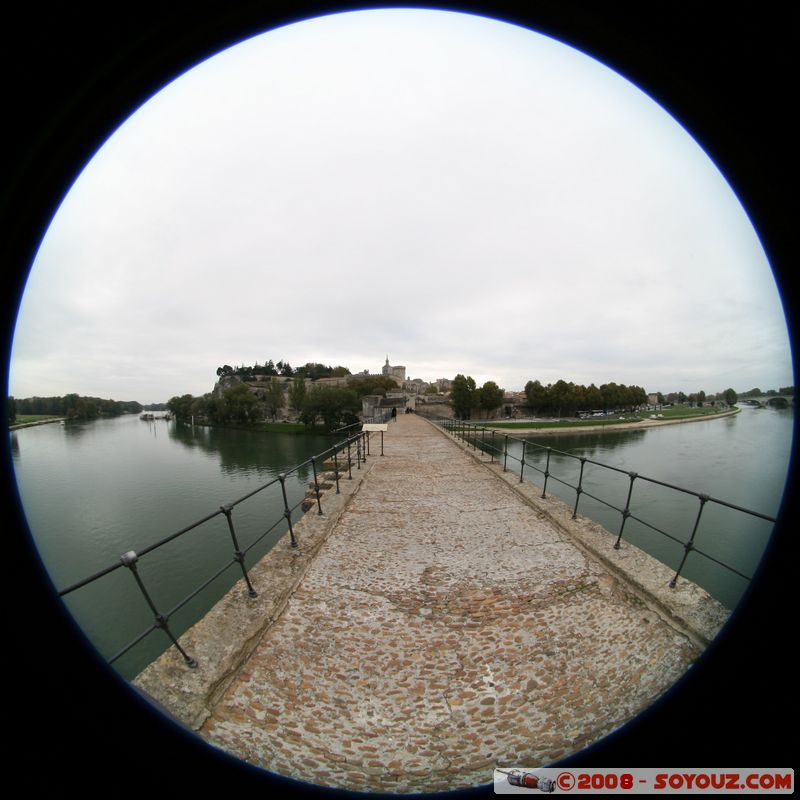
column 444, row 628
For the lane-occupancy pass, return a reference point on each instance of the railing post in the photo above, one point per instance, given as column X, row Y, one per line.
column 336, row 468
column 689, row 546
column 238, row 555
column 579, row 489
column 316, row 484
column 349, row 462
column 129, row 559
column 546, row 471
column 287, row 512
column 522, row 461
column 505, row 454
column 627, row 510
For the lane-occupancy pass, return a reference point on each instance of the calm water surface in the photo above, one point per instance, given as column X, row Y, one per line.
column 92, row 491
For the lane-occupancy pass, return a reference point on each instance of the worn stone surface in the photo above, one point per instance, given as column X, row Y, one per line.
column 444, row 627
column 227, row 635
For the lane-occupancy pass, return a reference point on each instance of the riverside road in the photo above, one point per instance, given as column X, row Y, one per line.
column 439, row 605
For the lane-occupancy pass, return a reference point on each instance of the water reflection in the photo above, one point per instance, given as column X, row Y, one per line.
column 587, row 444
column 248, row 452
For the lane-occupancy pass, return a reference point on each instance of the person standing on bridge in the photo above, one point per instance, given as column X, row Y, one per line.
column 394, row 413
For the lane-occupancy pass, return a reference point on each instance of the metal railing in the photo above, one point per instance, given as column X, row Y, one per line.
column 351, row 451
column 496, row 444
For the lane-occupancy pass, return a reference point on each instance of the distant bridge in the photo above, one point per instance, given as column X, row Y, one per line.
column 773, row 401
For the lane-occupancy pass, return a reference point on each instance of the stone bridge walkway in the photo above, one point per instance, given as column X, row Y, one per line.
column 444, row 627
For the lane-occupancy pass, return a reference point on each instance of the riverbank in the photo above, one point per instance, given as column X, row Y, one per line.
column 595, row 427
column 34, row 423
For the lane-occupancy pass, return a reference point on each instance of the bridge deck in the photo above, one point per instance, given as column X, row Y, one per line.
column 438, row 609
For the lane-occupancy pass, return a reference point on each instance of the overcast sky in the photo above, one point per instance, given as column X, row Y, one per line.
column 462, row 194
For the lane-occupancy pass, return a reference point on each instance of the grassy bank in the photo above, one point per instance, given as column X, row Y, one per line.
column 562, row 423
column 25, row 420
column 673, row 414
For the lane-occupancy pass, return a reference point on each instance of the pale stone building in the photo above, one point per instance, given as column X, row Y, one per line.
column 398, row 373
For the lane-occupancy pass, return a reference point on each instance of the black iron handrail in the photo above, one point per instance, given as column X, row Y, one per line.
column 355, row 444
column 472, row 434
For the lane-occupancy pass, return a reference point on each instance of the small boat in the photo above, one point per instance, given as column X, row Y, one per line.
column 149, row 416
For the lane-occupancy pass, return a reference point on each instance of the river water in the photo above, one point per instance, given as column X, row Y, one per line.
column 92, row 491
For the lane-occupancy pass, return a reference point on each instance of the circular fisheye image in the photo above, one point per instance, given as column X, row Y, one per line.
column 401, row 399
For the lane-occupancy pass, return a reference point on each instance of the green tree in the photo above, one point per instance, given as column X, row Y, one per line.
column 462, row 396
column 371, row 384
column 239, row 404
column 730, row 397
column 490, row 397
column 334, row 405
column 12, row 410
column 612, row 396
column 181, row 406
column 199, row 407
column 536, row 395
column 71, row 405
column 593, row 398
column 274, row 398
column 297, row 393
column 561, row 396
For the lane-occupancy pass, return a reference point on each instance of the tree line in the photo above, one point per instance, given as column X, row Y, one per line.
column 330, row 406
column 566, row 399
column 70, row 406
column 311, row 370
column 467, row 398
